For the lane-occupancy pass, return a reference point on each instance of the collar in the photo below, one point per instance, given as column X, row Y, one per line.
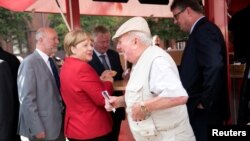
column 98, row 54
column 195, row 23
column 43, row 55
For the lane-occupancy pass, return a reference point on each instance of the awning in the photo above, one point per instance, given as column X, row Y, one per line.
column 89, row 7
column 16, row 5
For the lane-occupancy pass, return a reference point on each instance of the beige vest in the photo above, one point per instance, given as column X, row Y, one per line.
column 170, row 120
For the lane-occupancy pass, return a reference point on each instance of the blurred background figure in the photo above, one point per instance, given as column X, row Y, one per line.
column 7, row 118
column 59, row 61
column 172, row 44
column 14, row 64
column 239, row 29
column 157, row 41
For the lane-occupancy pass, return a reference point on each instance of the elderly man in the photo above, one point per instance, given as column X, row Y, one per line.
column 41, row 107
column 154, row 98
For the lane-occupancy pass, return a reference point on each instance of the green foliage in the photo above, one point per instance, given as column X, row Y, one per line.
column 87, row 23
column 164, row 27
column 58, row 24
column 112, row 23
column 13, row 26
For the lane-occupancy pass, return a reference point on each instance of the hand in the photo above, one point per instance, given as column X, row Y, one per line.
column 40, row 135
column 115, row 101
column 108, row 106
column 126, row 74
column 107, row 76
column 137, row 113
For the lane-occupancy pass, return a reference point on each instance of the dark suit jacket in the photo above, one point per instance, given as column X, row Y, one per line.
column 115, row 63
column 14, row 65
column 6, row 102
column 114, row 60
column 203, row 69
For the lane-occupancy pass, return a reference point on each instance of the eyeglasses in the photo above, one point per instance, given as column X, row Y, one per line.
column 176, row 16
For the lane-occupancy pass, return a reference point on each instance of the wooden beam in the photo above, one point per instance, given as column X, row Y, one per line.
column 73, row 13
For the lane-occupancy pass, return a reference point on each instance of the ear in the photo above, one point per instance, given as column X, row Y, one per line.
column 189, row 10
column 73, row 49
column 136, row 41
column 40, row 39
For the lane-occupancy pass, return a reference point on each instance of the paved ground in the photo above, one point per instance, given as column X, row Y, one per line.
column 125, row 134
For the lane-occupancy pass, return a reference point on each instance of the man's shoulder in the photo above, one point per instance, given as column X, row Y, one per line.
column 7, row 56
column 205, row 27
column 112, row 52
column 31, row 60
column 31, row 57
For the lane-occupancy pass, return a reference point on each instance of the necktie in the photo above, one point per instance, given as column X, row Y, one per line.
column 104, row 62
column 55, row 72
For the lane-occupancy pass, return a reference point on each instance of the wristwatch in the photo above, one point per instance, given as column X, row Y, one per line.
column 144, row 109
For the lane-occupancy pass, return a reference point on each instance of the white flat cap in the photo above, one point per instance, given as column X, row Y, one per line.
column 133, row 24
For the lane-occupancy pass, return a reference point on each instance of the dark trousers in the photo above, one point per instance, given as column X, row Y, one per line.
column 244, row 103
column 17, row 138
column 201, row 121
column 116, row 128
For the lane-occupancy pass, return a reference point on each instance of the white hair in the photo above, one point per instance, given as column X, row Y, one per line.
column 143, row 37
column 39, row 33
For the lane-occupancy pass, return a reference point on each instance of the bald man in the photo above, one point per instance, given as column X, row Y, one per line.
column 41, row 106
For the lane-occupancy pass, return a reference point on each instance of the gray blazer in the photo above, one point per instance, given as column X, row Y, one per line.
column 40, row 102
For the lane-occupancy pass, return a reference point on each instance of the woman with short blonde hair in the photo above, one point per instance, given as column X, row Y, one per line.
column 81, row 88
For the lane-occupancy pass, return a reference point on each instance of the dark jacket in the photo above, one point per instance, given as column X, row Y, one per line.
column 14, row 64
column 6, row 103
column 115, row 63
column 203, row 70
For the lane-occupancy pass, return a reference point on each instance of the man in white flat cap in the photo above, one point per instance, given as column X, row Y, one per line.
column 155, row 99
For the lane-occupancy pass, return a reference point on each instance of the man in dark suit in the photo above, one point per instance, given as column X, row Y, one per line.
column 101, row 37
column 6, row 103
column 203, row 68
column 14, row 65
